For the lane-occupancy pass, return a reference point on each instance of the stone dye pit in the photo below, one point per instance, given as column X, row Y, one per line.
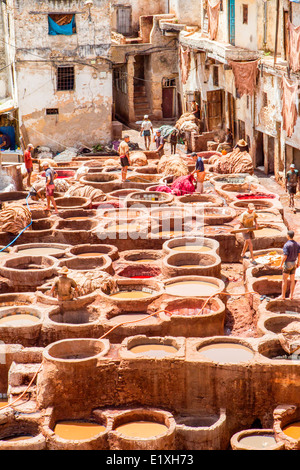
column 169, row 344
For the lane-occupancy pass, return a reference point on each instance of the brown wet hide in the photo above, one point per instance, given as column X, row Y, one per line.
column 244, row 76
column 289, row 109
column 213, row 18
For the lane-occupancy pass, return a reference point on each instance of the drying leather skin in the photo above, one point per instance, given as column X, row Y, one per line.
column 185, row 61
column 294, row 50
column 244, row 76
column 213, row 19
column 289, row 109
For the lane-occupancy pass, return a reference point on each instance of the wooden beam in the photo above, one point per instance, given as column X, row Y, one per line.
column 276, row 30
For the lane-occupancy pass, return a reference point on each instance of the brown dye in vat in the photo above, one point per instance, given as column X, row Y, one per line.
column 293, row 430
column 227, row 352
column 19, row 319
column 194, row 248
column 132, row 317
column 267, row 232
column 274, row 277
column 142, row 429
column 154, row 350
column 191, row 288
column 189, row 312
column 259, row 442
column 17, row 438
column 134, row 294
column 89, row 254
column 77, row 218
column 40, row 251
column 77, row 430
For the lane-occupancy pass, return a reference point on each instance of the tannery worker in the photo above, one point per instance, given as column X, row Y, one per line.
column 249, row 221
column 292, row 183
column 50, row 187
column 28, row 163
column 290, row 262
column 64, row 287
column 200, row 172
column 124, row 157
column 195, row 108
column 160, row 143
column 242, row 145
column 146, row 130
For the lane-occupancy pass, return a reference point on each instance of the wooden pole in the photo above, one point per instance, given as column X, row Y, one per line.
column 276, row 30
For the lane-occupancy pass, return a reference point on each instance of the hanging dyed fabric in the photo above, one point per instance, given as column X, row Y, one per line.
column 244, row 76
column 294, row 49
column 185, row 60
column 213, row 18
column 289, row 109
column 65, row 29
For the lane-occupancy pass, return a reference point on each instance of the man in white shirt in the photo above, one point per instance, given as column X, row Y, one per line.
column 146, row 129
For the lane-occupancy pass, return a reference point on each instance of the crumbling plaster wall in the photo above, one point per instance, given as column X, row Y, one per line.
column 38, row 54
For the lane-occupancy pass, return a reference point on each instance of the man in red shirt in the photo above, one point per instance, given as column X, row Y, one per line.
column 28, row 162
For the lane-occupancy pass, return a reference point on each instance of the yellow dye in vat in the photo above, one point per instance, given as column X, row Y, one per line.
column 77, row 430
column 89, row 254
column 3, row 402
column 191, row 288
column 194, row 248
column 189, row 266
column 170, row 233
column 260, row 442
column 142, row 429
column 227, row 352
column 267, row 232
column 293, row 430
column 19, row 319
column 133, row 294
column 131, row 317
column 154, row 350
column 124, row 228
column 78, row 218
column 274, row 277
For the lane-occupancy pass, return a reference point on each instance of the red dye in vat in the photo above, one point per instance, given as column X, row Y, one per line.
column 255, row 196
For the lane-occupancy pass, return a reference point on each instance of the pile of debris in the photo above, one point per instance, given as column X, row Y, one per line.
column 172, row 165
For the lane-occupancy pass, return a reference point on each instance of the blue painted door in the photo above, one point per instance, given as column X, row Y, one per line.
column 231, row 16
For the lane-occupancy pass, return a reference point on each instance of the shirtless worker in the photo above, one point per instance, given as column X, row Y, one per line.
column 124, row 157
column 63, row 286
column 249, row 220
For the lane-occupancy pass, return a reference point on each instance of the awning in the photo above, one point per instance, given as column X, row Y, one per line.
column 6, row 106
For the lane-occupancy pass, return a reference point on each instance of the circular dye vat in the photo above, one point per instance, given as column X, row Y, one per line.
column 189, row 312
column 193, row 248
column 154, row 350
column 17, row 438
column 77, row 430
column 133, row 294
column 142, row 429
column 124, row 227
column 267, row 232
column 226, row 352
column 170, row 233
column 217, row 230
column 259, row 442
column 293, row 430
column 89, row 254
column 191, row 288
column 19, row 319
column 132, row 317
column 47, row 250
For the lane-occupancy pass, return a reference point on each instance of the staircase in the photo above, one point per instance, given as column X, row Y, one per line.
column 20, row 375
column 141, row 103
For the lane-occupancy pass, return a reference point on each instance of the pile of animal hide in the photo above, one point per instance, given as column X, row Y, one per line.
column 14, row 218
column 138, row 158
column 234, row 162
column 90, row 281
column 172, row 165
column 84, row 190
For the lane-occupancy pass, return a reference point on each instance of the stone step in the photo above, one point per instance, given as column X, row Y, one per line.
column 142, row 100
column 21, row 374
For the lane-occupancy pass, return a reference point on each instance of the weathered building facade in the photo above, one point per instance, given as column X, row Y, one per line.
column 61, row 70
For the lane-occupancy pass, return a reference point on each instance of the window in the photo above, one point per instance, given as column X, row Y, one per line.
column 245, row 14
column 51, row 111
column 265, row 99
column 216, row 76
column 61, row 23
column 168, row 82
column 124, row 20
column 65, row 78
